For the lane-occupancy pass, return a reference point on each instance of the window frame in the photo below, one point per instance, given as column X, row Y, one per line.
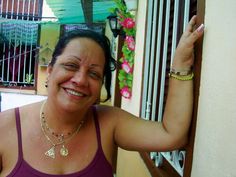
column 166, row 170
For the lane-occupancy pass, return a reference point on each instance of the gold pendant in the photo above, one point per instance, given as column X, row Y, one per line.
column 64, row 151
column 51, row 152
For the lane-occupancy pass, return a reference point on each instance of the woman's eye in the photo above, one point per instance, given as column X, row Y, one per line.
column 71, row 66
column 94, row 75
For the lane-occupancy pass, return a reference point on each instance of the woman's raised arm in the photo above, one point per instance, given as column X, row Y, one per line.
column 137, row 134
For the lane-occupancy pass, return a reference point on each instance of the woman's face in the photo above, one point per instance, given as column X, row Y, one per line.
column 75, row 80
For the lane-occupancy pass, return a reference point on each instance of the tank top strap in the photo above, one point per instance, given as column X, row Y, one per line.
column 18, row 129
column 98, row 133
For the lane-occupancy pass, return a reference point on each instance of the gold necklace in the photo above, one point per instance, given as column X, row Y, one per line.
column 59, row 137
column 44, row 126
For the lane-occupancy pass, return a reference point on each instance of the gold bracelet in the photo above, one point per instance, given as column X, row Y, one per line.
column 181, row 72
column 182, row 77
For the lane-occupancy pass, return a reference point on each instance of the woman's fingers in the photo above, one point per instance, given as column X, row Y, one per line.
column 184, row 52
column 191, row 24
column 190, row 36
column 194, row 36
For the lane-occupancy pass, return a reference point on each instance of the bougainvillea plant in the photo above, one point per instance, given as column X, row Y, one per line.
column 125, row 76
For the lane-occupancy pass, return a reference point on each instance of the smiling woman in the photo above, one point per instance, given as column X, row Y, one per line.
column 77, row 70
column 69, row 134
column 103, row 43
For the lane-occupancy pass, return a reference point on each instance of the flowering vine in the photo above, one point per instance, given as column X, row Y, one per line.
column 125, row 76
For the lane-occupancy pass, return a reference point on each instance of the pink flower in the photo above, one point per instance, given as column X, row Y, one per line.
column 128, row 23
column 130, row 42
column 126, row 67
column 125, row 92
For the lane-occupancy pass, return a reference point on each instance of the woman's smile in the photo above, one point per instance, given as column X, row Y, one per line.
column 75, row 93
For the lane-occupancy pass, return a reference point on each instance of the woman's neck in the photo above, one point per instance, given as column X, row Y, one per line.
column 62, row 121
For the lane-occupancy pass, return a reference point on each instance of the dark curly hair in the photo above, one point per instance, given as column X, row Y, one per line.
column 102, row 41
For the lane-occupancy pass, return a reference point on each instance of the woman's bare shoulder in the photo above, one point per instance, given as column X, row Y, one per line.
column 106, row 114
column 112, row 113
column 108, row 111
column 7, row 125
column 6, row 119
column 103, row 107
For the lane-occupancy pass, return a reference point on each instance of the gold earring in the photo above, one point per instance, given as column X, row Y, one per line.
column 46, row 83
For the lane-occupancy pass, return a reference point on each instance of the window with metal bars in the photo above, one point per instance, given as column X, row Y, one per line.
column 166, row 21
column 22, row 9
column 18, row 42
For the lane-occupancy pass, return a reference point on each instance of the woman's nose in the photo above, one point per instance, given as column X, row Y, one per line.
column 80, row 79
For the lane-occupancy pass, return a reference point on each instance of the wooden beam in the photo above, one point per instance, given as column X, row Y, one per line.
column 87, row 6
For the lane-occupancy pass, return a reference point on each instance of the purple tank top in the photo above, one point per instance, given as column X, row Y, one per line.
column 99, row 167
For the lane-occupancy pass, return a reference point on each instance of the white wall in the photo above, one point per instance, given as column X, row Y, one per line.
column 215, row 143
column 12, row 100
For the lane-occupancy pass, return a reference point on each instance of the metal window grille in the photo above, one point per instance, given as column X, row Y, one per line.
column 166, row 21
column 18, row 42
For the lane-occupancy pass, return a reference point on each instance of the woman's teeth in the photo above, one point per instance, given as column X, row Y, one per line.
column 72, row 92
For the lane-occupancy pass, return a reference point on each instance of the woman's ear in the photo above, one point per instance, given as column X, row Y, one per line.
column 49, row 69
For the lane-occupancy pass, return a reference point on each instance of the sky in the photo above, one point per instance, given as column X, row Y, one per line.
column 47, row 12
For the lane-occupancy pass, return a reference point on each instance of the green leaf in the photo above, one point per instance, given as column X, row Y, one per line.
column 129, row 83
column 130, row 77
column 112, row 10
column 121, row 85
column 121, row 78
column 121, row 59
column 122, row 72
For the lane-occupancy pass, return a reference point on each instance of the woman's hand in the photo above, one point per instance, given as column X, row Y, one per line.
column 184, row 58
